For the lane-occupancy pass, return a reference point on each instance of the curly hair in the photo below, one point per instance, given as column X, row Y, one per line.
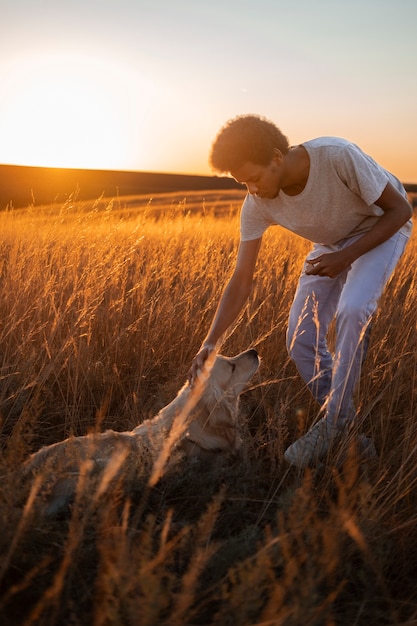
column 246, row 138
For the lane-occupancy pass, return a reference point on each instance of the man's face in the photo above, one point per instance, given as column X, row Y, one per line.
column 263, row 181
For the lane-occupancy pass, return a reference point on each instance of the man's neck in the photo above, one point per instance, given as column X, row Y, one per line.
column 297, row 169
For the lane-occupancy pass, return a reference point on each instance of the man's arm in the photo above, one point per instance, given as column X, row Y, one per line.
column 231, row 302
column 396, row 213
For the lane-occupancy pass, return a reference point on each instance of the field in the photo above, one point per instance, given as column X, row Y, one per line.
column 103, row 306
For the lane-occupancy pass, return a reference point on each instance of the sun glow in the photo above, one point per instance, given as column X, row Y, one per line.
column 69, row 111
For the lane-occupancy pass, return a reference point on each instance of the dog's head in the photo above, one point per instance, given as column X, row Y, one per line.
column 214, row 428
column 229, row 375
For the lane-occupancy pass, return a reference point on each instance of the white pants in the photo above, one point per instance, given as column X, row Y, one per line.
column 351, row 298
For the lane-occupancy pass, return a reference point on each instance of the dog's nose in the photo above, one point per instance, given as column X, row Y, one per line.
column 253, row 353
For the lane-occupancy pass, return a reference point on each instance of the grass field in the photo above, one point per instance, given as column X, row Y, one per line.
column 103, row 306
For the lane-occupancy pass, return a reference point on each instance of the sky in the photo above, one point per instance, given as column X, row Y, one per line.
column 147, row 84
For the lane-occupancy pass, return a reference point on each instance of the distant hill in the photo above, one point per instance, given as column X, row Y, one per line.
column 21, row 185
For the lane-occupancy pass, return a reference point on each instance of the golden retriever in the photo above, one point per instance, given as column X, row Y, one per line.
column 201, row 420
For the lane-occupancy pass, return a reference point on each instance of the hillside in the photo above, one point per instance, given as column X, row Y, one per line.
column 20, row 185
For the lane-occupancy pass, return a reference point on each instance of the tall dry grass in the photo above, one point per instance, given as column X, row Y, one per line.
column 102, row 308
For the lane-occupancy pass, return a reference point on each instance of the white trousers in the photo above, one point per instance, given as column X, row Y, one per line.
column 351, row 298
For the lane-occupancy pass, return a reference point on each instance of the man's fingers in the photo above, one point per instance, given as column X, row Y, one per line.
column 312, row 267
column 198, row 364
column 193, row 374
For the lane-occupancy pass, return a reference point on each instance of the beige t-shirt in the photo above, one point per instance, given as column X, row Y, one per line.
column 337, row 201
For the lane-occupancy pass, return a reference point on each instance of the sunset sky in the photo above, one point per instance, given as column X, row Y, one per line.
column 146, row 85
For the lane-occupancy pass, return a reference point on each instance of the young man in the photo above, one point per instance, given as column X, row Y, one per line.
column 357, row 216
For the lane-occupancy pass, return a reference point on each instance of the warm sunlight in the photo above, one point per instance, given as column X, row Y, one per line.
column 68, row 111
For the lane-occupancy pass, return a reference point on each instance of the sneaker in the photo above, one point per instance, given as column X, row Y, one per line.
column 314, row 445
column 318, row 441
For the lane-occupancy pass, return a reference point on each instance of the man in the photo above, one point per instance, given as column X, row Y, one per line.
column 357, row 216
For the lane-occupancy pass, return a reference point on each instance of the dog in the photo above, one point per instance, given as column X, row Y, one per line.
column 201, row 421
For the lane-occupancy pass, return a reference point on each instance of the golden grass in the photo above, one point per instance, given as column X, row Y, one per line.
column 103, row 306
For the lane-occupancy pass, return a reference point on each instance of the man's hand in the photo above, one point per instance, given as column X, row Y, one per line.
column 198, row 361
column 330, row 265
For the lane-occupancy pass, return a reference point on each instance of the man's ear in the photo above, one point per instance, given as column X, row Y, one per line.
column 277, row 157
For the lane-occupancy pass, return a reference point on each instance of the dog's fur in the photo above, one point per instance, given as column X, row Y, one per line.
column 202, row 420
